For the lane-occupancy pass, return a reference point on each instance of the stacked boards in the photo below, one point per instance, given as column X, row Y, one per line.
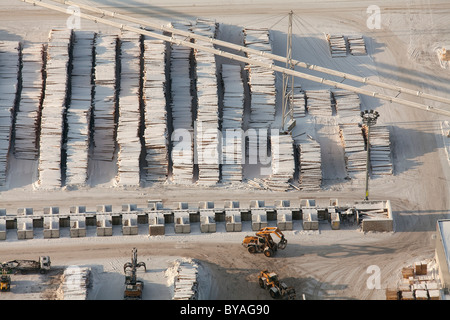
column 207, row 122
column 337, row 45
column 181, row 107
column 54, row 108
column 283, row 163
column 318, row 102
column 155, row 112
column 356, row 45
column 29, row 107
column 380, row 150
column 9, row 75
column 310, row 178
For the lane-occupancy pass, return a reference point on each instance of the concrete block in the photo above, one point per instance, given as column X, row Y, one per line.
column 182, row 228
column 206, row 205
column 51, row 227
column 129, row 230
column 284, row 220
column 77, row 209
column 282, row 203
column 310, row 220
column 231, row 205
column 51, row 210
column 2, row 229
column 104, row 226
column 104, row 208
column 155, row 205
column 207, row 224
column 182, row 223
column 307, row 203
column 233, row 221
column 255, row 204
column 77, row 226
column 129, row 207
column 182, row 206
column 156, row 230
column 2, row 212
column 24, row 211
column 156, row 218
column 335, row 221
column 25, row 228
column 259, row 219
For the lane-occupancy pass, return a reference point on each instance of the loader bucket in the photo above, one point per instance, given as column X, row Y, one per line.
column 282, row 244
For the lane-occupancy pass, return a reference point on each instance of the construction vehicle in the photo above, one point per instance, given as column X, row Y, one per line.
column 277, row 289
column 133, row 287
column 5, row 281
column 263, row 241
column 23, row 266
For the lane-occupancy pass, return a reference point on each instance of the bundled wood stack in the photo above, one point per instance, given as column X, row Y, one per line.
column 185, row 283
column 261, row 80
column 207, row 135
column 232, row 114
column 79, row 111
column 318, row 102
column 299, row 100
column 76, row 281
column 351, row 134
column 28, row 111
column 128, row 126
column 356, row 45
column 154, row 95
column 283, row 164
column 338, row 45
column 54, row 108
column 380, row 150
column 104, row 125
column 181, row 106
column 310, row 178
column 9, row 73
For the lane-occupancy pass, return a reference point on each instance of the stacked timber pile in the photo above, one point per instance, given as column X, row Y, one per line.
column 54, row 108
column 184, row 276
column 79, row 111
column 318, row 102
column 356, row 45
column 76, row 281
column 261, row 80
column 283, row 163
column 207, row 134
column 310, row 178
column 29, row 107
column 233, row 109
column 128, row 126
column 299, row 100
column 380, row 150
column 9, row 73
column 104, row 125
column 181, row 106
column 156, row 131
column 348, row 109
column 337, row 45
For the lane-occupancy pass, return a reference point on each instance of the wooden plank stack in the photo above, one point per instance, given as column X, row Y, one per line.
column 185, row 283
column 283, row 163
column 232, row 115
column 54, row 108
column 207, row 133
column 9, row 75
column 356, row 45
column 299, row 100
column 28, row 111
column 380, row 150
column 79, row 112
column 181, row 106
column 261, row 80
column 104, row 112
column 128, row 126
column 310, row 178
column 155, row 112
column 318, row 102
column 337, row 45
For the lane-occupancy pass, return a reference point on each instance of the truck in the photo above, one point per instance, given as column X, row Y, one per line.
column 24, row 266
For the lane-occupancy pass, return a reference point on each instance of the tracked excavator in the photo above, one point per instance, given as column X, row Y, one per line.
column 133, row 286
column 263, row 241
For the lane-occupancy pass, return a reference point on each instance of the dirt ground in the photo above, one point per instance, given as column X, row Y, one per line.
column 326, row 264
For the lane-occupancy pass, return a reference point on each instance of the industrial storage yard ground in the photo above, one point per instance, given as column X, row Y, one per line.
column 320, row 264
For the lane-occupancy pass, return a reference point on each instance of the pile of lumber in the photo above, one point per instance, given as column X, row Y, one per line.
column 181, row 106
column 356, row 45
column 261, row 80
column 9, row 73
column 207, row 133
column 76, row 281
column 310, row 178
column 380, row 150
column 79, row 111
column 232, row 113
column 54, row 108
column 104, row 125
column 283, row 163
column 337, row 45
column 318, row 102
column 155, row 112
column 185, row 282
column 299, row 101
column 348, row 106
column 128, row 126
column 28, row 109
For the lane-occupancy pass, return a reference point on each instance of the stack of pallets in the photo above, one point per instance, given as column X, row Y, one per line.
column 128, row 126
column 283, row 163
column 9, row 73
column 54, row 108
column 181, row 106
column 337, row 45
column 310, row 178
column 104, row 126
column 261, row 80
column 154, row 95
column 356, row 45
column 207, row 134
column 318, row 102
column 380, row 150
column 28, row 113
column 233, row 109
column 79, row 111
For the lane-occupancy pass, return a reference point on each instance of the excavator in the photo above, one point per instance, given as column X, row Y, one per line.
column 262, row 241
column 277, row 289
column 133, row 287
